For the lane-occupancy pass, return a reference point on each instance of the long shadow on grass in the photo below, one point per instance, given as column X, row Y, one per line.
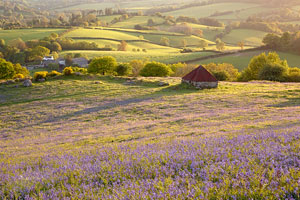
column 167, row 91
column 291, row 102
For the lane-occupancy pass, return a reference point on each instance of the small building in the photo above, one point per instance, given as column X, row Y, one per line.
column 200, row 78
column 47, row 60
column 82, row 62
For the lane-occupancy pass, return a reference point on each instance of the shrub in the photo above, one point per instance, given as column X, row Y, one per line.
column 293, row 75
column 21, row 70
column 223, row 72
column 221, row 75
column 144, row 50
column 257, row 63
column 177, row 69
column 273, row 72
column 156, row 69
column 68, row 71
column 53, row 74
column 103, row 65
column 40, row 75
column 182, row 71
column 19, row 76
column 6, row 69
column 53, row 66
column 137, row 66
column 80, row 69
column 124, row 69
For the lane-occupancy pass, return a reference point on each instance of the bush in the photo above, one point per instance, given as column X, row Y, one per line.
column 137, row 66
column 223, row 72
column 53, row 66
column 177, row 69
column 53, row 74
column 221, row 75
column 19, row 76
column 156, row 69
column 40, row 75
column 68, row 71
column 273, row 72
column 257, row 63
column 103, row 65
column 21, row 70
column 124, row 69
column 293, row 75
column 80, row 69
column 6, row 69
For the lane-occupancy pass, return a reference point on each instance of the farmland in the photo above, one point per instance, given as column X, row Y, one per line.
column 208, row 10
column 28, row 34
column 241, row 60
column 155, row 55
column 155, row 146
column 249, row 37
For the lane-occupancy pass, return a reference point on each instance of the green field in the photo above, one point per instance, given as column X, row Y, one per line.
column 206, row 11
column 242, row 60
column 249, row 37
column 141, row 20
column 28, row 34
column 151, row 36
column 90, row 6
column 159, row 56
column 243, row 14
column 108, row 18
column 97, row 33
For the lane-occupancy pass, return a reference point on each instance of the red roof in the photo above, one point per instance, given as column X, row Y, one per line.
column 200, row 74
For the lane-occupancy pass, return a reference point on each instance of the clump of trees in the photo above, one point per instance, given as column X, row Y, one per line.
column 286, row 42
column 9, row 70
column 156, row 69
column 103, row 65
column 223, row 72
column 270, row 67
column 203, row 21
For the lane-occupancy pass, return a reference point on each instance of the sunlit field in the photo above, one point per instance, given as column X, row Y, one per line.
column 73, row 138
column 28, row 34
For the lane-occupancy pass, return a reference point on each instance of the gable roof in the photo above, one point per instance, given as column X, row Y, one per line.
column 200, row 74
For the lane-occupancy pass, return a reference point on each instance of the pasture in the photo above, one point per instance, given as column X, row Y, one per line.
column 241, row 60
column 249, row 37
column 114, row 141
column 137, row 20
column 155, row 55
column 208, row 10
column 89, row 6
column 28, row 34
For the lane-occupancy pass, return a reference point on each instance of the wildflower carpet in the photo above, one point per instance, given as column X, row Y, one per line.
column 71, row 138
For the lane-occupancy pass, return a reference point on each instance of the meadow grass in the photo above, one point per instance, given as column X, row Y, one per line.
column 28, row 34
column 249, row 37
column 206, row 11
column 141, row 20
column 155, row 55
column 241, row 60
column 90, row 6
column 70, row 137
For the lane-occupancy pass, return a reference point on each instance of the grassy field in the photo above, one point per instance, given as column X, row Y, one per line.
column 141, row 20
column 114, row 141
column 97, row 33
column 243, row 14
column 28, row 34
column 242, row 60
column 109, row 18
column 154, row 37
column 208, row 10
column 249, row 37
column 90, row 6
column 159, row 56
